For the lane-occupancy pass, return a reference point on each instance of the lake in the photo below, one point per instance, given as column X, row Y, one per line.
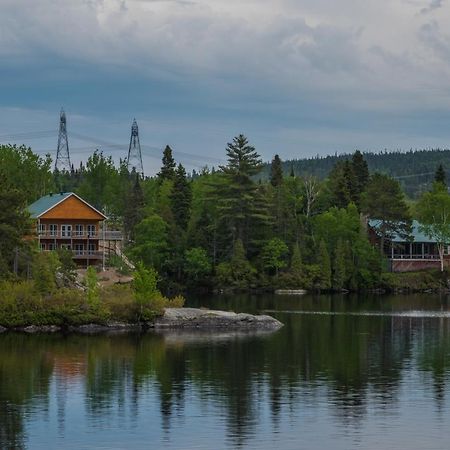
column 345, row 372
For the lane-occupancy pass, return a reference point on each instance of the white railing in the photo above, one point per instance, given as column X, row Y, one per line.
column 69, row 235
column 413, row 256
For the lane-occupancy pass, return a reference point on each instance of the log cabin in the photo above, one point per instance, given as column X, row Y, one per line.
column 65, row 220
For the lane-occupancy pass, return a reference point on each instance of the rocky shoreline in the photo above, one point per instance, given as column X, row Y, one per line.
column 173, row 318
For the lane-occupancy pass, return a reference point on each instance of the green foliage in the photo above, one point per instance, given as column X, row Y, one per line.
column 274, row 255
column 241, row 208
column 25, row 172
column 14, row 224
column 238, row 272
column 146, row 294
column 45, row 267
column 433, row 210
column 167, row 171
column 324, row 281
column 67, row 266
column 384, row 201
column 150, row 241
column 196, row 264
column 133, row 210
column 440, row 176
column 181, row 197
column 339, row 272
column 92, row 288
column 276, row 172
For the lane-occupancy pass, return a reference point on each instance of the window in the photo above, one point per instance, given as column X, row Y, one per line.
column 42, row 229
column 66, row 246
column 51, row 246
column 79, row 249
column 66, row 230
column 43, row 246
column 91, row 248
column 91, row 229
column 79, row 230
column 53, row 229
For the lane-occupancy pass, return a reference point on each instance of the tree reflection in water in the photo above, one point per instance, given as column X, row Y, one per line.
column 347, row 363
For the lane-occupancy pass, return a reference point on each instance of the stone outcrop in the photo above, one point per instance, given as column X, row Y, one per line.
column 208, row 319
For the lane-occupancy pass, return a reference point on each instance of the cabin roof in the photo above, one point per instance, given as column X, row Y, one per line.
column 48, row 202
column 415, row 236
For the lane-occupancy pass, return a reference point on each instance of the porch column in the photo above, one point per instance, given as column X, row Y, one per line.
column 392, row 250
column 410, row 250
column 423, row 250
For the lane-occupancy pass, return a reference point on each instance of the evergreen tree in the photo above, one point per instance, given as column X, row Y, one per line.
column 134, row 207
column 181, row 197
column 360, row 171
column 339, row 272
column 14, row 224
column 92, row 288
column 276, row 172
column 384, row 201
column 325, row 267
column 296, row 268
column 236, row 192
column 292, row 173
column 343, row 185
column 440, row 176
column 167, row 171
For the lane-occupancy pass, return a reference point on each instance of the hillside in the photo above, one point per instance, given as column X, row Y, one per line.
column 414, row 169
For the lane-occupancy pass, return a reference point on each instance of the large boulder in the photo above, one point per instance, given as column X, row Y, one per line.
column 206, row 318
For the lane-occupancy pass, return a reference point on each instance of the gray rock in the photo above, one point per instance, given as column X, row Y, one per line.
column 41, row 329
column 205, row 318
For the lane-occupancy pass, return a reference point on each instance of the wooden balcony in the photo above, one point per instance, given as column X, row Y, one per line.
column 107, row 235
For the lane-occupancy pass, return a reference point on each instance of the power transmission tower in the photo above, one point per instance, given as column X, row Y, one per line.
column 62, row 154
column 134, row 160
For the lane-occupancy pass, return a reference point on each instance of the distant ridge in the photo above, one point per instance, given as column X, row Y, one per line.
column 414, row 168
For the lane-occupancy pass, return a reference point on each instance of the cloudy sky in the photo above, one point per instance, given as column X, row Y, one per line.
column 298, row 77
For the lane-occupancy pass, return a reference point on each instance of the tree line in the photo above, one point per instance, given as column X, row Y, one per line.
column 229, row 227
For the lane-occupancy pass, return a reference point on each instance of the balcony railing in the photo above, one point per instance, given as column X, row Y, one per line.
column 107, row 235
column 69, row 235
column 415, row 256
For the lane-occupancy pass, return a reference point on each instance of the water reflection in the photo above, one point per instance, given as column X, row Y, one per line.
column 343, row 372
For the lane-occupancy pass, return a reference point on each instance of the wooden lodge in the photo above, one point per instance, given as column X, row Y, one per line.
column 65, row 220
column 415, row 252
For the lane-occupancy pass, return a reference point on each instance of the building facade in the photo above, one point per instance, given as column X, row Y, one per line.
column 415, row 252
column 65, row 220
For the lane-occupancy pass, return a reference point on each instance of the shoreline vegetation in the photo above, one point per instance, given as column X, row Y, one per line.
column 220, row 229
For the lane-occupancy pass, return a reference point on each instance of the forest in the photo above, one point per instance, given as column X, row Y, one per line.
column 243, row 225
column 414, row 169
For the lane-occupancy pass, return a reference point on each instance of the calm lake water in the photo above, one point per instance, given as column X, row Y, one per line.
column 344, row 373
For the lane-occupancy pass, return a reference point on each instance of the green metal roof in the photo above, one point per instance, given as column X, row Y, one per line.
column 45, row 203
column 415, row 236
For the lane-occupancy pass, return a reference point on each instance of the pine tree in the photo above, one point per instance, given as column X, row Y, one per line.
column 296, row 267
column 292, row 173
column 339, row 272
column 181, row 197
column 361, row 171
column 440, row 176
column 343, row 184
column 167, row 171
column 236, row 192
column 276, row 172
column 325, row 267
column 14, row 224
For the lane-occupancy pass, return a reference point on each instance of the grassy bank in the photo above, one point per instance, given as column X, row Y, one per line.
column 21, row 305
column 415, row 281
